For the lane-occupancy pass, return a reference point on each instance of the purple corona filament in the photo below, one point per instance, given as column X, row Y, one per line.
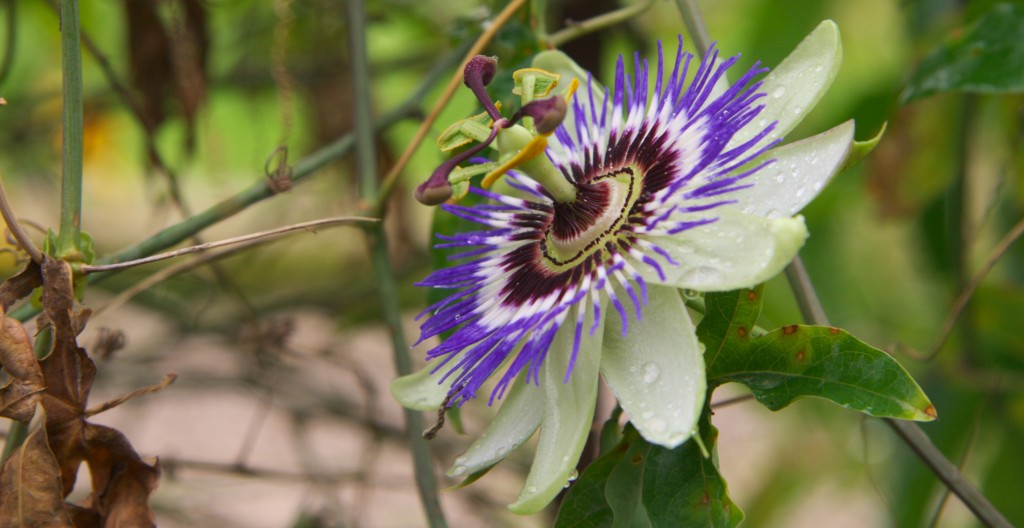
column 642, row 167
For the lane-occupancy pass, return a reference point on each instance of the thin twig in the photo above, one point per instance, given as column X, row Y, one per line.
column 575, row 30
column 272, row 233
column 157, row 387
column 968, row 292
column 182, row 267
column 15, row 228
column 909, row 432
column 731, row 401
column 456, row 80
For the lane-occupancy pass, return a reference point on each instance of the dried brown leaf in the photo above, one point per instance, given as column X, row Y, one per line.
column 30, row 486
column 67, row 441
column 121, row 481
column 84, row 517
column 18, row 398
column 16, row 355
column 168, row 60
column 68, row 372
column 20, row 286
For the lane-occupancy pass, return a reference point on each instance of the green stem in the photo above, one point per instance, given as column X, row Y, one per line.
column 369, row 186
column 590, row 25
column 71, row 175
column 695, row 25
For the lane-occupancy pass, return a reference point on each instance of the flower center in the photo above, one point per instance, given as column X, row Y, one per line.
column 587, row 224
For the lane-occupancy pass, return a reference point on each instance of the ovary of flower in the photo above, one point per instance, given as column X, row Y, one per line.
column 676, row 190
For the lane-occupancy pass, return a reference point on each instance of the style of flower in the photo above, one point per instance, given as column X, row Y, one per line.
column 586, row 249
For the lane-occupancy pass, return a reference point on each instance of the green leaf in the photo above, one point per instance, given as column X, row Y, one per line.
column 986, row 58
column 625, row 486
column 585, row 505
column 641, row 485
column 683, row 488
column 729, row 316
column 797, row 361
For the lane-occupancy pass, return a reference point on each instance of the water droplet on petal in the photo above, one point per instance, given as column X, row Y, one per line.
column 772, row 213
column 800, row 192
column 798, row 109
column 531, row 489
column 651, row 372
column 573, row 475
column 702, row 275
column 818, row 68
column 459, row 471
column 778, row 92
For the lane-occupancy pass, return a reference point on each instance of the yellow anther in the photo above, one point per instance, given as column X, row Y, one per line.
column 532, row 149
column 572, row 89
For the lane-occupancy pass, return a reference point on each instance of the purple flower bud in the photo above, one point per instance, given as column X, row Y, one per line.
column 547, row 114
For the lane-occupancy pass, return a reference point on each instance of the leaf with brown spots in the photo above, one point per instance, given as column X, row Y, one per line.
column 30, row 485
column 19, row 396
column 797, row 361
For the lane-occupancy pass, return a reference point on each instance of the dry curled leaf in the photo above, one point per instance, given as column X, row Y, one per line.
column 20, row 286
column 168, row 59
column 30, row 485
column 18, row 398
column 121, row 481
column 67, row 370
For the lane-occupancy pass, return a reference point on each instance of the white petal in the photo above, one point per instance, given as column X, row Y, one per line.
column 657, row 370
column 736, row 251
column 800, row 172
column 568, row 414
column 796, row 85
column 515, row 423
column 422, row 391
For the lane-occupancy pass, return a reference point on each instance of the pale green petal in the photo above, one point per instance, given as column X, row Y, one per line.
column 568, row 414
column 515, row 423
column 799, row 173
column 422, row 391
column 736, row 251
column 796, row 85
column 657, row 370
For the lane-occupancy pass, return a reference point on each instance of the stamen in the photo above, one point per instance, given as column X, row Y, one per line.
column 437, row 189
